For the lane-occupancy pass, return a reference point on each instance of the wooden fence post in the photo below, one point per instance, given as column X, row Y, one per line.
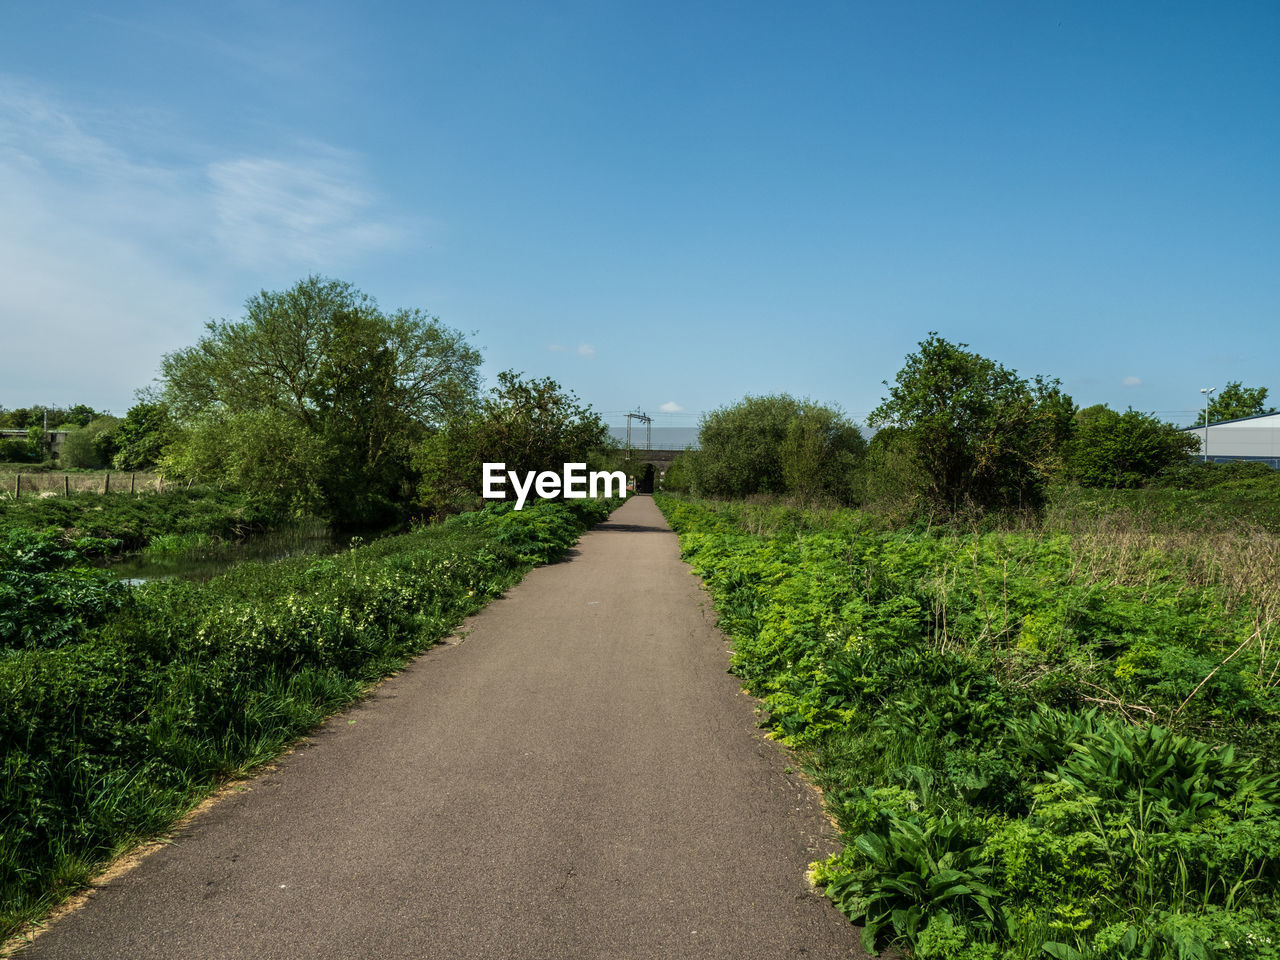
column 106, row 486
column 17, row 486
column 66, row 485
column 132, row 478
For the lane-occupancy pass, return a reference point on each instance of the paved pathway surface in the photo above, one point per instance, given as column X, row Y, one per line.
column 577, row 778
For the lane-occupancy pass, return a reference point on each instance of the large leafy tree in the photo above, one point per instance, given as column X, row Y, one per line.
column 1234, row 401
column 328, row 391
column 528, row 424
column 978, row 436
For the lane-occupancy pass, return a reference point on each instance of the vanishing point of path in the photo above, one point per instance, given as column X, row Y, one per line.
column 577, row 778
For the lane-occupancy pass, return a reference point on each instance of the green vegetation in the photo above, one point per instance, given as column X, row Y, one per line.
column 91, row 446
column 23, row 418
column 1237, row 500
column 120, row 708
column 1110, row 449
column 1039, row 741
column 142, row 435
column 316, row 400
column 973, row 434
column 1037, row 673
column 1234, row 401
column 47, row 596
column 526, row 424
column 24, row 450
column 773, row 445
column 134, row 521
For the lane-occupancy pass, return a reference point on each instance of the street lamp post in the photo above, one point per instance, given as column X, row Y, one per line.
column 1208, row 392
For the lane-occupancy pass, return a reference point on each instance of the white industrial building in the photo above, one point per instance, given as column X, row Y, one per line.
column 1249, row 438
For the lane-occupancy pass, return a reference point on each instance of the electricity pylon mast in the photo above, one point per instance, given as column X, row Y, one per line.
column 648, row 425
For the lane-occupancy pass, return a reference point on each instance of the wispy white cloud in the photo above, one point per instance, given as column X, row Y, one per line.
column 586, row 350
column 671, row 407
column 310, row 210
column 109, row 258
column 1131, row 382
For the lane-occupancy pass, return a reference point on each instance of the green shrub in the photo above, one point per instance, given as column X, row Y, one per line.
column 1127, row 449
column 134, row 521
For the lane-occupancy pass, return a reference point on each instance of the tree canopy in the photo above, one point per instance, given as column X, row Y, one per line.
column 317, row 395
column 1234, row 401
column 1112, row 449
column 776, row 444
column 977, row 434
column 142, row 435
column 528, row 424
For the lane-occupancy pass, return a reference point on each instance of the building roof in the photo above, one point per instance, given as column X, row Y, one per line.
column 1257, row 420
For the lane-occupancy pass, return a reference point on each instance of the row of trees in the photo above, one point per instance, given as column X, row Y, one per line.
column 321, row 400
column 957, row 432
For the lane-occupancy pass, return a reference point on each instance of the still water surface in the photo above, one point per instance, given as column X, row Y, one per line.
column 202, row 563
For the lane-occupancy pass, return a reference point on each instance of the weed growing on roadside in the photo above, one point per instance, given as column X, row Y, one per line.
column 1032, row 746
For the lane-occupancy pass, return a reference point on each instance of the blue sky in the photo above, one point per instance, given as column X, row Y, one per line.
column 660, row 204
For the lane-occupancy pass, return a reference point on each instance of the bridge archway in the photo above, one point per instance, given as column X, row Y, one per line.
column 647, row 478
column 638, row 463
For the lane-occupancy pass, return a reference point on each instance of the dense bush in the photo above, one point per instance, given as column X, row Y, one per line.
column 142, row 435
column 18, row 451
column 111, row 736
column 678, row 477
column 775, row 445
column 1110, row 449
column 945, row 690
column 46, row 597
column 132, row 521
column 91, row 446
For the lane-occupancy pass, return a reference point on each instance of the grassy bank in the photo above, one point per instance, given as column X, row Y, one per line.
column 133, row 704
column 133, row 521
column 1035, row 742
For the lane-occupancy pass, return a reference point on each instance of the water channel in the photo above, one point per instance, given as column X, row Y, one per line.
column 205, row 561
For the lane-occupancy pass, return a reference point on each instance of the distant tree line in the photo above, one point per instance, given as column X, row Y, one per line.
column 957, row 433
column 324, row 403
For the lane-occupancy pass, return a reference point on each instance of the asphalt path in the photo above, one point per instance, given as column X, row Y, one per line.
column 576, row 777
